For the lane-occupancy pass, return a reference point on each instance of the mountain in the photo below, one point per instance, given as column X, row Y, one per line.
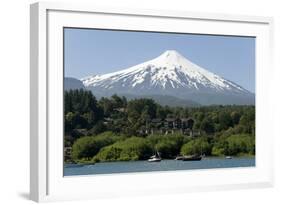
column 170, row 74
column 72, row 83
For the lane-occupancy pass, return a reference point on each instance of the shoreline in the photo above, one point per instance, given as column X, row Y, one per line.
column 165, row 165
column 205, row 157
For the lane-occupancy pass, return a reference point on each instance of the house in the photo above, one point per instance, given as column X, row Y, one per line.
column 173, row 123
column 187, row 123
column 168, row 125
column 157, row 122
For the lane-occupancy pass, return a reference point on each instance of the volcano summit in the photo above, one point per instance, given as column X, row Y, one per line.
column 170, row 74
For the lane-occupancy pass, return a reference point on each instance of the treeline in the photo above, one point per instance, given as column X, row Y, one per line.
column 112, row 147
column 225, row 130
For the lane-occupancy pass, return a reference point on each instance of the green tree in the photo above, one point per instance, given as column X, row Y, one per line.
column 196, row 146
column 237, row 144
column 99, row 127
column 133, row 148
column 87, row 147
column 208, row 126
column 225, row 120
column 81, row 110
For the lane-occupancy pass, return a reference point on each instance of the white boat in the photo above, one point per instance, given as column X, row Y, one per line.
column 194, row 157
column 179, row 157
column 228, row 157
column 155, row 158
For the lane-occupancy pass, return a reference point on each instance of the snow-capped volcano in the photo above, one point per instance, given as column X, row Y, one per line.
column 168, row 74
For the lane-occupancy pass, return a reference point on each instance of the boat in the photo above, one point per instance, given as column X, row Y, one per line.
column 155, row 158
column 179, row 157
column 228, row 157
column 194, row 157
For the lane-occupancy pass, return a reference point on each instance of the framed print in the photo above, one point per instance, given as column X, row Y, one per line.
column 123, row 97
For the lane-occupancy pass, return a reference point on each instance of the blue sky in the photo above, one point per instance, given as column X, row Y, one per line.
column 91, row 51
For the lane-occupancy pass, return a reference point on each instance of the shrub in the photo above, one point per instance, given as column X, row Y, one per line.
column 218, row 151
column 240, row 144
column 168, row 145
column 134, row 148
column 196, row 146
column 98, row 128
column 237, row 144
column 87, row 147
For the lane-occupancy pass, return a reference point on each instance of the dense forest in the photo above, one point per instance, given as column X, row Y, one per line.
column 115, row 128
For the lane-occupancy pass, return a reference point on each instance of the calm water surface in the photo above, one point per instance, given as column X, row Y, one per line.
column 164, row 165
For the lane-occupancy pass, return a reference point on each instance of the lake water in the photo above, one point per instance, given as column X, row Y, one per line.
column 164, row 165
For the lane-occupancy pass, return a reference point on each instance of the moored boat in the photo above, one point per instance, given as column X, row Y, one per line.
column 192, row 158
column 155, row 158
column 179, row 157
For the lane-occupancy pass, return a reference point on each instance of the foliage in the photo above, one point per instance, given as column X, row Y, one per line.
column 134, row 148
column 81, row 110
column 167, row 145
column 108, row 129
column 207, row 125
column 87, row 147
column 238, row 144
column 99, row 127
column 197, row 146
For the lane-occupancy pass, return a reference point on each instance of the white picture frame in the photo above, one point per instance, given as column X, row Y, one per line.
column 46, row 140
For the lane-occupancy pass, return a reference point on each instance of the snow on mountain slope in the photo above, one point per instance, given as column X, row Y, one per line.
column 169, row 74
column 170, row 69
